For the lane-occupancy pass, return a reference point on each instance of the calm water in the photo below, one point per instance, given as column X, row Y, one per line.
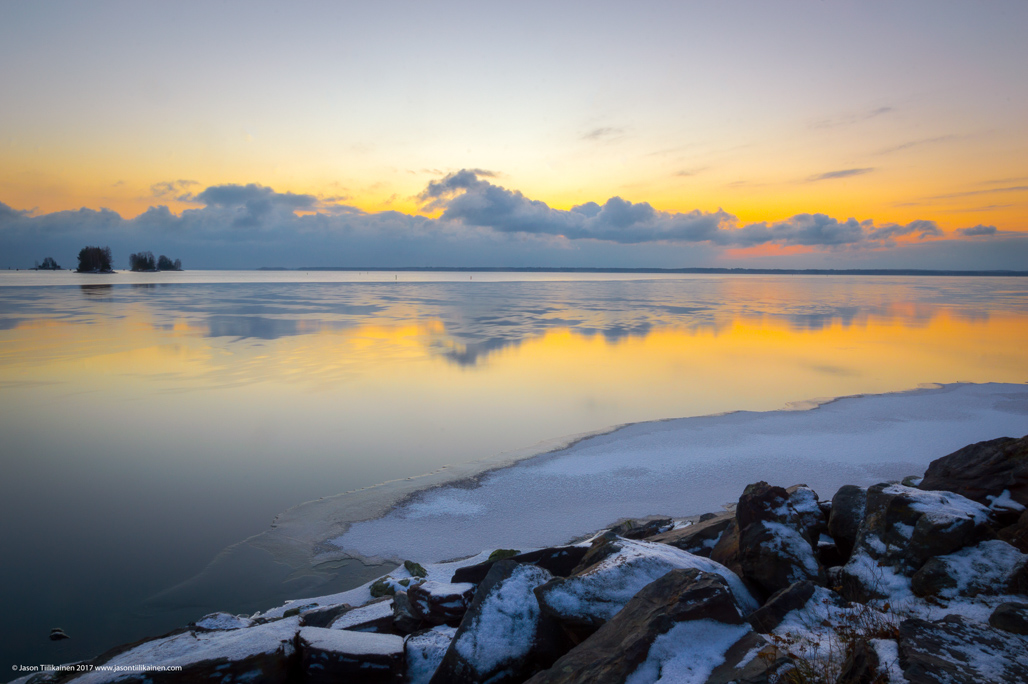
column 150, row 420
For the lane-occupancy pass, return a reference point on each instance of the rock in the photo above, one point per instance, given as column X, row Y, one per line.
column 504, row 636
column 559, row 561
column 861, row 665
column 216, row 621
column 590, row 597
column 405, row 620
column 774, row 556
column 828, row 553
column 760, row 502
column 981, row 470
column 1010, row 617
column 847, row 513
column 57, row 634
column 376, row 616
column 324, row 616
column 990, row 567
column 415, row 569
column 502, row 554
column 685, row 621
column 699, row 538
column 955, row 651
column 771, row 614
column 387, row 586
column 641, row 529
column 333, row 655
column 1016, row 534
column 424, row 650
column 438, row 603
column 726, row 551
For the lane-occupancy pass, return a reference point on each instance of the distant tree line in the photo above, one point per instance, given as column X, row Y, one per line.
column 144, row 261
column 48, row 265
column 95, row 260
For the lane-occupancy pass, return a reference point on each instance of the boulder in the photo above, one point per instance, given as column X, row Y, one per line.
column 405, row 619
column 861, row 665
column 957, row 651
column 774, row 556
column 783, row 602
column 504, row 637
column 217, row 621
column 1010, row 617
column 981, row 470
column 424, row 650
column 991, row 567
column 684, row 622
column 376, row 616
column 333, row 655
column 847, row 513
column 439, row 603
column 324, row 616
column 726, row 550
column 796, row 507
column 590, row 597
column 1016, row 534
column 641, row 529
column 699, row 538
column 560, row 561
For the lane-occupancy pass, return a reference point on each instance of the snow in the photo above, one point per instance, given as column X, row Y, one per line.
column 689, row 466
column 604, row 589
column 942, row 508
column 789, row 543
column 504, row 628
column 361, row 615
column 445, row 589
column 223, row 621
column 687, row 653
column 424, row 651
column 1004, row 502
column 194, row 647
column 888, row 660
column 981, row 569
column 352, row 643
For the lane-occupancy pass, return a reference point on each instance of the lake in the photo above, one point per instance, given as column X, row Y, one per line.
column 151, row 420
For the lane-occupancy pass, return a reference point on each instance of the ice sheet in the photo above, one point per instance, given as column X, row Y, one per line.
column 688, row 466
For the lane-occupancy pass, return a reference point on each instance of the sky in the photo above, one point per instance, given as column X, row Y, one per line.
column 666, row 134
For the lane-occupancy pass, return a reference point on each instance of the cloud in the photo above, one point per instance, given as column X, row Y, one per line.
column 852, row 118
column 917, row 143
column 844, row 173
column 171, row 188
column 604, row 133
column 978, row 231
column 923, row 229
column 803, row 229
column 969, row 193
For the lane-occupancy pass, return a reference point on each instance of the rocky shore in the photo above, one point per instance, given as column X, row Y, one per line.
column 923, row 580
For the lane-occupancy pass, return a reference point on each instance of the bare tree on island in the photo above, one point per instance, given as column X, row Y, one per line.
column 166, row 264
column 95, row 260
column 142, row 261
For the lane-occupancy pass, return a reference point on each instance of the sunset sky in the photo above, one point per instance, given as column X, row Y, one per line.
column 792, row 134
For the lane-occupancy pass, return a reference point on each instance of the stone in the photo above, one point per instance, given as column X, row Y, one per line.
column 774, row 556
column 1016, row 534
column 726, row 550
column 324, row 616
column 957, row 651
column 665, row 617
column 375, row 616
column 560, row 561
column 423, row 652
column 1010, row 617
column 847, row 513
column 981, row 470
column 783, row 602
column 439, row 603
column 504, row 636
column 641, row 529
column 699, row 538
column 415, row 569
column 405, row 620
column 333, row 655
column 861, row 665
column 991, row 567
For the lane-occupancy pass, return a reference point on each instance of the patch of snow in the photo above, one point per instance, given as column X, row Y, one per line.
column 942, row 508
column 357, row 616
column 687, row 653
column 504, row 628
column 604, row 589
column 1004, row 502
column 352, row 643
column 888, row 660
column 981, row 569
column 424, row 651
column 791, row 544
column 223, row 621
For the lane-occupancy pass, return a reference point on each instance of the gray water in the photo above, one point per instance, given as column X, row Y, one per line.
column 150, row 420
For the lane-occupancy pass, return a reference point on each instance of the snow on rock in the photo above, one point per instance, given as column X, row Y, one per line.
column 688, row 653
column 369, row 617
column 216, row 621
column 424, row 651
column 332, row 655
column 987, row 568
column 441, row 602
column 596, row 594
column 957, row 651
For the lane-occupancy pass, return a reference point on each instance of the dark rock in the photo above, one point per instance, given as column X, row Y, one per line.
column 501, row 554
column 503, row 637
column 439, row 604
column 324, row 616
column 726, row 551
column 415, row 569
column 699, row 538
column 991, row 567
column 375, row 616
column 423, row 652
column 333, row 655
column 981, row 470
column 861, row 665
column 57, row 634
column 1016, row 534
column 956, row 651
column 760, row 502
column 783, row 602
column 741, row 667
column 405, row 619
column 559, row 561
column 641, row 529
column 829, row 555
column 1010, row 617
column 774, row 556
column 602, row 546
column 847, row 513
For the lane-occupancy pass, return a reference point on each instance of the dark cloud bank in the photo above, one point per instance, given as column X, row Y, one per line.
column 482, row 224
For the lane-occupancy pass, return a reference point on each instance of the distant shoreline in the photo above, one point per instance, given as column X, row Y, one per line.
column 701, row 271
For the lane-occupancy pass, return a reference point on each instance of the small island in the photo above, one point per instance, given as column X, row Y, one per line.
column 145, row 262
column 48, row 265
column 95, row 260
